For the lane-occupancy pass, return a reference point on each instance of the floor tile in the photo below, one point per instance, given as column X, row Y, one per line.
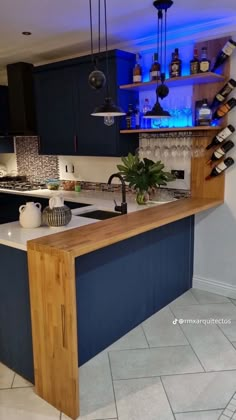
column 20, row 382
column 135, row 339
column 212, row 348
column 206, row 297
column 199, row 415
column 186, row 299
column 24, row 404
column 140, row 399
column 96, row 389
column 209, row 343
column 229, row 330
column 6, row 377
column 128, row 364
column 214, row 311
column 160, row 331
column 200, row 391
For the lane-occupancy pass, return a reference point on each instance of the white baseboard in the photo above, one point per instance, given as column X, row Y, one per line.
column 214, row 286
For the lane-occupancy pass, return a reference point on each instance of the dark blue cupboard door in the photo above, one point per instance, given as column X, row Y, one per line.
column 55, row 111
column 95, row 138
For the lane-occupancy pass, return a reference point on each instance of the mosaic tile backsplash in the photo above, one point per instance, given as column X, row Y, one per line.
column 36, row 167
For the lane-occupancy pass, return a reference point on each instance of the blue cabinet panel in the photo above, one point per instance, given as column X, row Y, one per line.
column 15, row 321
column 120, row 286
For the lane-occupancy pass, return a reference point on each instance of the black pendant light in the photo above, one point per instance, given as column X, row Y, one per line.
column 162, row 90
column 108, row 109
column 97, row 78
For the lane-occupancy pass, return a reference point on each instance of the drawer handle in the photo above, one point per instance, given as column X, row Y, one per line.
column 63, row 325
column 75, row 143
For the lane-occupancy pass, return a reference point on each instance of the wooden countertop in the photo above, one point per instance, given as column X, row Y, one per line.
column 85, row 239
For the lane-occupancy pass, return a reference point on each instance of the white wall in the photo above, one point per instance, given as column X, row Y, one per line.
column 215, row 234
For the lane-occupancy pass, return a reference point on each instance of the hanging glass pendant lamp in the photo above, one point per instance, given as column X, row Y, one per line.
column 162, row 90
column 108, row 110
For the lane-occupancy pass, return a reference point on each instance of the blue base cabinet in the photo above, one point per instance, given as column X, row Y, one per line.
column 15, row 320
column 121, row 285
column 65, row 101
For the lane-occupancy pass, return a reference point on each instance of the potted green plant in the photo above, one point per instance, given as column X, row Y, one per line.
column 143, row 175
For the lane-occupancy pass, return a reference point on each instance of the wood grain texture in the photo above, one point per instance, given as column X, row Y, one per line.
column 215, row 187
column 201, row 78
column 167, row 130
column 200, row 91
column 89, row 238
column 54, row 329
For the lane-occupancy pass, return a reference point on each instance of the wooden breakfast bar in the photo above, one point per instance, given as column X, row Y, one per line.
column 93, row 284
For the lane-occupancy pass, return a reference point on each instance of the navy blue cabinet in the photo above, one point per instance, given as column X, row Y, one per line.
column 65, row 101
column 54, row 91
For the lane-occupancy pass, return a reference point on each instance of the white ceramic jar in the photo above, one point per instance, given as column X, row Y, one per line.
column 30, row 215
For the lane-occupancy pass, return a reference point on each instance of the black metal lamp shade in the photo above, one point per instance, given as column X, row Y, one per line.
column 108, row 109
column 157, row 112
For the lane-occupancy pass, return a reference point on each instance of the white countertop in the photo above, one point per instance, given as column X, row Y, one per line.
column 13, row 235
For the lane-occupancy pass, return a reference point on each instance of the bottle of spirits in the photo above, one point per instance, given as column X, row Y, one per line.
column 176, row 64
column 204, row 114
column 137, row 71
column 204, row 62
column 223, row 93
column 217, row 170
column 146, row 122
column 224, row 54
column 194, row 63
column 130, row 118
column 155, row 70
column 221, row 151
column 224, row 109
column 221, row 136
column 137, row 116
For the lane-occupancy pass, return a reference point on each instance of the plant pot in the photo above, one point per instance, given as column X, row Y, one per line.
column 142, row 197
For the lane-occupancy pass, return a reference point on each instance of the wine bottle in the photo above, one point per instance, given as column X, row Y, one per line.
column 224, row 109
column 224, row 54
column 130, row 118
column 194, row 63
column 204, row 114
column 204, row 62
column 221, row 151
column 217, row 170
column 176, row 64
column 155, row 70
column 137, row 71
column 221, row 136
column 223, row 93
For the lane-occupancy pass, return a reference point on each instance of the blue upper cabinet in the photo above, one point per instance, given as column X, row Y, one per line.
column 65, row 101
column 55, row 107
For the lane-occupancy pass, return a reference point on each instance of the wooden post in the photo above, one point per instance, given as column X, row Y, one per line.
column 54, row 328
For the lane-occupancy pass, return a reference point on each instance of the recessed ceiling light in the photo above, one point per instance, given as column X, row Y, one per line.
column 26, row 33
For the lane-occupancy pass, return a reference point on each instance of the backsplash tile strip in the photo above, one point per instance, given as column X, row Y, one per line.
column 36, row 167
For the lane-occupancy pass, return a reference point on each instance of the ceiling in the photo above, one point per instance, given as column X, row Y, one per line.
column 60, row 28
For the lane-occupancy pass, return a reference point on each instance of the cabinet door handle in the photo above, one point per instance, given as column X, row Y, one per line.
column 63, row 325
column 75, row 143
column 39, row 145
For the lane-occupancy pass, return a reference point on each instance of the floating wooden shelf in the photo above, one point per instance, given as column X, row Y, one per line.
column 167, row 130
column 194, row 79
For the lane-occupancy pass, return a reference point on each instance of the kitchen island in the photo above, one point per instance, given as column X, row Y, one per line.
column 92, row 284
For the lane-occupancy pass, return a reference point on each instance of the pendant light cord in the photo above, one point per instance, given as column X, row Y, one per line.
column 106, row 42
column 91, row 31
column 99, row 26
column 165, row 69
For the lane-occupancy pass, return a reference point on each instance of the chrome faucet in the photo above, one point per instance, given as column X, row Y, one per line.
column 123, row 207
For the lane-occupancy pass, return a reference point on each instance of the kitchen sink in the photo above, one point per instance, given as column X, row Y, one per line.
column 99, row 214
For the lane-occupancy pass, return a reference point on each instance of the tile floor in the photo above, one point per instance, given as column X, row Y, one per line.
column 165, row 369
